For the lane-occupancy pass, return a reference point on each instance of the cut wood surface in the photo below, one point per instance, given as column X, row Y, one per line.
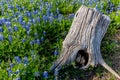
column 82, row 43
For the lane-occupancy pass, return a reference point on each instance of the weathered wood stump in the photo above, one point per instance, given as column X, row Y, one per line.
column 82, row 43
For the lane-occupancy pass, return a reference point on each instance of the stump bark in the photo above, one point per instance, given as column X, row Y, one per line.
column 82, row 43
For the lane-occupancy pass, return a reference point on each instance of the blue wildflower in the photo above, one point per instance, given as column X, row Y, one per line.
column 11, row 65
column 15, row 28
column 0, row 22
column 36, row 74
column 48, row 12
column 17, row 79
column 71, row 16
column 56, row 52
column 51, row 20
column 44, row 18
column 25, row 60
column 17, row 72
column 1, row 37
column 44, row 32
column 10, row 38
column 9, row 70
column 32, row 42
column 35, row 12
column 20, row 18
column 8, row 24
column 10, row 29
column 3, row 20
column 38, row 19
column 1, row 29
column 33, row 21
column 58, row 11
column 28, row 32
column 96, row 7
column 23, row 40
column 27, row 28
column 38, row 41
column 29, row 24
column 17, row 58
column 45, row 74
column 42, row 39
column 28, row 14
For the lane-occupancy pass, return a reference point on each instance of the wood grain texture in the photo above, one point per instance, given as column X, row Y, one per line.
column 86, row 33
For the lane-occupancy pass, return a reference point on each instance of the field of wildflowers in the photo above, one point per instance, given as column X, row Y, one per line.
column 32, row 31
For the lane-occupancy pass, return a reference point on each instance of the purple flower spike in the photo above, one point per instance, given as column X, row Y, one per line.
column 45, row 74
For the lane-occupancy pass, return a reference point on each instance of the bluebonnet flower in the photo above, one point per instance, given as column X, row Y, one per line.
column 1, row 37
column 28, row 32
column 0, row 22
column 23, row 7
column 41, row 8
column 60, row 16
column 38, row 19
column 32, row 42
column 20, row 18
column 56, row 52
column 8, row 19
column 42, row 39
column 1, row 29
column 3, row 20
column 10, row 7
column 8, row 24
column 57, row 10
column 11, row 65
column 9, row 72
column 71, row 15
column 45, row 74
column 17, row 58
column 10, row 29
column 23, row 24
column 29, row 24
column 48, row 12
column 25, row 60
column 17, row 71
column 38, row 41
column 36, row 74
column 44, row 32
column 51, row 19
column 44, row 18
column 23, row 40
column 51, row 14
column 90, row 2
column 34, row 21
column 28, row 14
column 27, row 28
column 17, row 79
column 15, row 28
column 10, row 38
column 96, row 7
column 35, row 12
column 17, row 6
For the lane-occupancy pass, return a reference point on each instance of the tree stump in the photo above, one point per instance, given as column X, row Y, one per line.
column 82, row 43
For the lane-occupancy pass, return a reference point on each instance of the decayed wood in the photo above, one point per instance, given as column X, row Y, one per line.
column 86, row 32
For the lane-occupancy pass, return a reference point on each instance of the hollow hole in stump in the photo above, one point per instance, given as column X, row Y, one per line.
column 81, row 58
